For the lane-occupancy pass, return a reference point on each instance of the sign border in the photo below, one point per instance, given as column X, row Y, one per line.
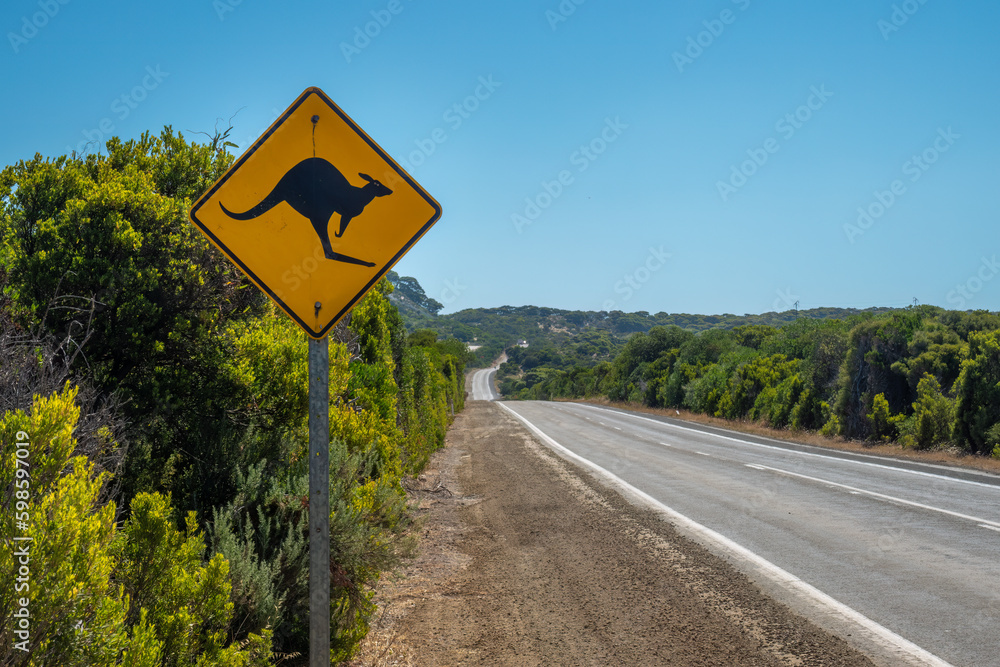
column 313, row 90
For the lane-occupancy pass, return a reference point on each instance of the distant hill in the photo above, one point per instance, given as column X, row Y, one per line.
column 496, row 329
column 410, row 298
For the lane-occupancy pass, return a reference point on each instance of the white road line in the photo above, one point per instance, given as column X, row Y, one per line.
column 703, row 453
column 882, row 496
column 996, row 528
column 995, row 487
column 875, row 632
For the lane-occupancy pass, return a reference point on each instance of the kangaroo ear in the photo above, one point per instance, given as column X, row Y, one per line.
column 366, row 177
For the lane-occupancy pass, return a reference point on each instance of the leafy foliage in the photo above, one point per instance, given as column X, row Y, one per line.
column 99, row 595
column 978, row 394
column 497, row 329
column 923, row 376
column 104, row 283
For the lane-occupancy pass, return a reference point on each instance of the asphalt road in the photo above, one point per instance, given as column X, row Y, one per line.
column 914, row 548
column 482, row 385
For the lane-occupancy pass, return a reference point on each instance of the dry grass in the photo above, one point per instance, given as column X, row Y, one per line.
column 382, row 646
column 951, row 457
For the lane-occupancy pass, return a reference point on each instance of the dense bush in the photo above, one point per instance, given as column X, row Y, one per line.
column 922, row 376
column 106, row 284
column 978, row 394
column 99, row 594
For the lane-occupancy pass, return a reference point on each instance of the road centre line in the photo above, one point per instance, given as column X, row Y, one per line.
column 882, row 496
column 876, row 632
column 797, row 451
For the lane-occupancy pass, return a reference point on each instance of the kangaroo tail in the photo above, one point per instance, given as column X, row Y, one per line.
column 260, row 209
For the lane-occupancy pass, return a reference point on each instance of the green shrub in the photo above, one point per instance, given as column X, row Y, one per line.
column 100, row 596
column 977, row 393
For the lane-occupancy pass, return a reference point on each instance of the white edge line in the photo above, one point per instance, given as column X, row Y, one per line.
column 878, row 633
column 983, row 525
column 798, row 451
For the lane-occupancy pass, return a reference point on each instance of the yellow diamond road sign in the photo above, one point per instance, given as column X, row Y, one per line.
column 315, row 212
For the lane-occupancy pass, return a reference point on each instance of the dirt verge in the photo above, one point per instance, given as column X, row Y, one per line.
column 526, row 560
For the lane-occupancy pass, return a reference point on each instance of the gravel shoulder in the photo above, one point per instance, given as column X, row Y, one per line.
column 526, row 560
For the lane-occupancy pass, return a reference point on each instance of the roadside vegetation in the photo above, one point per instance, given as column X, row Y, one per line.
column 497, row 329
column 165, row 402
column 922, row 377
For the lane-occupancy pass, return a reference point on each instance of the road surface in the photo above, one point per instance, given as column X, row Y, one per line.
column 482, row 384
column 527, row 560
column 902, row 559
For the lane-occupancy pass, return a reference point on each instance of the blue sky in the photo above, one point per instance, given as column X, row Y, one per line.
column 707, row 157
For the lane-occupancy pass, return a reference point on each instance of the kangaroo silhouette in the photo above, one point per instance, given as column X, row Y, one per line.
column 316, row 190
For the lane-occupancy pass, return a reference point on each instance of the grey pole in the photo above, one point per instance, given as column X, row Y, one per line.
column 319, row 503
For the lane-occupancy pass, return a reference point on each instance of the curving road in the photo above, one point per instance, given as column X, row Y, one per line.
column 482, row 385
column 902, row 559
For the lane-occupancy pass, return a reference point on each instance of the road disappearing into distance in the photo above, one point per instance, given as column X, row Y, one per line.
column 900, row 558
column 482, row 385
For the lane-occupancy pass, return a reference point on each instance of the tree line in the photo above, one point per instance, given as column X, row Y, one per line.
column 495, row 329
column 165, row 400
column 922, row 376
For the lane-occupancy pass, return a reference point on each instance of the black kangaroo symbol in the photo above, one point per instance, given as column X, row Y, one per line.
column 316, row 189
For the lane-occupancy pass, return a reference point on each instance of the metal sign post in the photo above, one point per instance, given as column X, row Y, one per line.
column 319, row 502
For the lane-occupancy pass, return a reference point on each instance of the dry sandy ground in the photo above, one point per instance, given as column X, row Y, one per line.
column 525, row 560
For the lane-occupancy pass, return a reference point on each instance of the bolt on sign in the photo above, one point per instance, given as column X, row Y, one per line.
column 315, row 212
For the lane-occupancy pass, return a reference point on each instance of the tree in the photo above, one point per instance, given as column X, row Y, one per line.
column 870, row 368
column 410, row 290
column 977, row 393
column 100, row 252
column 933, row 415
